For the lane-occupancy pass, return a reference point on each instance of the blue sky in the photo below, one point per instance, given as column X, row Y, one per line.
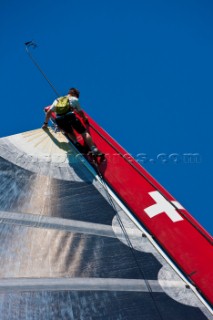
column 145, row 72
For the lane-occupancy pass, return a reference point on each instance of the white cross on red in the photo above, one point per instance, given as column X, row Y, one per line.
column 163, row 206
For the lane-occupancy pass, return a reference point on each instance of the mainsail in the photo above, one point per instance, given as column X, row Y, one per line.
column 77, row 244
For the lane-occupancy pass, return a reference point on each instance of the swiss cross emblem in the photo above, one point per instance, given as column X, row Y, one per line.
column 163, row 206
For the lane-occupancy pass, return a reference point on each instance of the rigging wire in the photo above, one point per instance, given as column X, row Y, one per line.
column 32, row 44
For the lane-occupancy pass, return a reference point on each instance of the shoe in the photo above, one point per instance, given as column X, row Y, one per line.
column 95, row 151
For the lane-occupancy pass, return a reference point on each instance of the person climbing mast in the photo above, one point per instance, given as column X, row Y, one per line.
column 66, row 119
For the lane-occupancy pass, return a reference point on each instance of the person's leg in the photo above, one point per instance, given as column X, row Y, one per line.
column 78, row 126
column 72, row 137
column 64, row 124
column 88, row 139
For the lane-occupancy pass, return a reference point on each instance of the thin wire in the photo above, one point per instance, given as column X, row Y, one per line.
column 40, row 69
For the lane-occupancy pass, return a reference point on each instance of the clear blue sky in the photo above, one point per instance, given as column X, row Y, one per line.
column 145, row 72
